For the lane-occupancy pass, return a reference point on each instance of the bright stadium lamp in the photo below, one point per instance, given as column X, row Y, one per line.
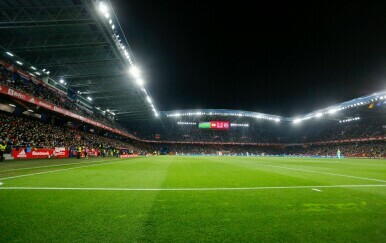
column 135, row 72
column 332, row 111
column 139, row 81
column 103, row 8
column 89, row 98
column 319, row 115
column 297, row 120
column 9, row 54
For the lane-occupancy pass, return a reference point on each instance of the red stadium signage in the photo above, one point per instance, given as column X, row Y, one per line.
column 40, row 153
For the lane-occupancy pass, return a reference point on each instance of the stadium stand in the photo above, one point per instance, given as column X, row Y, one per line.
column 23, row 131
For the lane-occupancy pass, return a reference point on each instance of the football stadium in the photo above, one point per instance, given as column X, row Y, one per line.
column 91, row 150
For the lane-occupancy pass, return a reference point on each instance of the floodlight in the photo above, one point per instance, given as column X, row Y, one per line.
column 148, row 99
column 110, row 21
column 113, row 27
column 139, row 81
column 135, row 71
column 61, row 81
column 319, row 115
column 107, row 15
column 276, row 120
column 89, row 98
column 332, row 111
column 103, row 7
column 297, row 120
column 34, row 68
column 9, row 54
column 20, row 63
column 37, row 73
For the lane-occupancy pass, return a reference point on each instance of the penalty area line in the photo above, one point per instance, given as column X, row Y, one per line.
column 188, row 189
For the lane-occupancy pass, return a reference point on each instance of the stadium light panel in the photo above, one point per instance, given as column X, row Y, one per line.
column 332, row 111
column 37, row 73
column 89, row 98
column 297, row 120
column 103, row 8
column 34, row 68
column 107, row 15
column 148, row 99
column 18, row 62
column 61, row 81
column 319, row 115
column 139, row 81
column 9, row 54
column 30, row 110
column 112, row 26
column 135, row 71
column 277, row 120
column 110, row 21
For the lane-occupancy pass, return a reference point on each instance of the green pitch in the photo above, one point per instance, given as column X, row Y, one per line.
column 193, row 199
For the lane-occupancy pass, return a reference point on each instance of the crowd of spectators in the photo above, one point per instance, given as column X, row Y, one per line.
column 267, row 133
column 51, row 95
column 27, row 131
column 358, row 149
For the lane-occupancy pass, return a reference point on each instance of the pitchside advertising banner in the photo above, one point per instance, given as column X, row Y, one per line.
column 40, row 153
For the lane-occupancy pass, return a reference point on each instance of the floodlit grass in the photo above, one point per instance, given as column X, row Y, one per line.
column 193, row 199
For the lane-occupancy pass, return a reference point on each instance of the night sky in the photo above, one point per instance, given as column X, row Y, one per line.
column 280, row 58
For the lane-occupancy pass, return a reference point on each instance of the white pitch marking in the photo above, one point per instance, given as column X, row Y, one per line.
column 45, row 172
column 1, row 183
column 313, row 171
column 186, row 189
column 317, row 190
column 48, row 166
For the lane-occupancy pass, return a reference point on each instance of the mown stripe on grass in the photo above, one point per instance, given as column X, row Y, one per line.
column 48, row 166
column 189, row 189
column 314, row 171
column 51, row 171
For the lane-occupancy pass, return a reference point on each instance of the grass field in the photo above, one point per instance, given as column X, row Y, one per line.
column 193, row 199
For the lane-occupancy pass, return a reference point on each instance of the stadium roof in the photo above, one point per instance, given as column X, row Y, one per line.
column 328, row 113
column 80, row 43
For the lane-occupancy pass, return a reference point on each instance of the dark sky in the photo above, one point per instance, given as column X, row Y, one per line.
column 283, row 58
